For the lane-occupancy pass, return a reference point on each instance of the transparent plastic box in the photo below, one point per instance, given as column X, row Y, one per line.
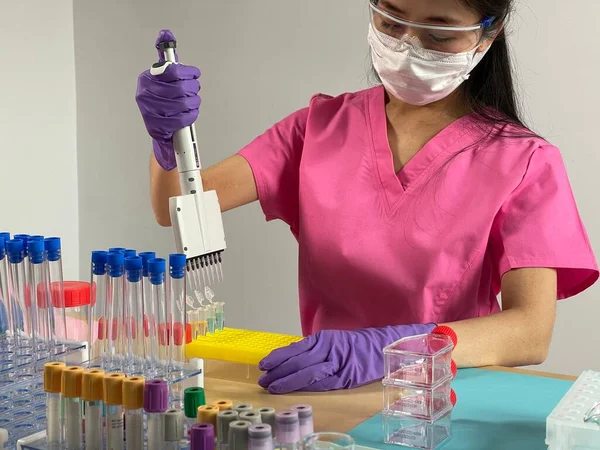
column 423, row 359
column 424, row 402
column 412, row 432
column 566, row 427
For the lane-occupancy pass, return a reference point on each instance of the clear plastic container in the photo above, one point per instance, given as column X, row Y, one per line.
column 423, row 359
column 423, row 402
column 413, row 432
column 76, row 302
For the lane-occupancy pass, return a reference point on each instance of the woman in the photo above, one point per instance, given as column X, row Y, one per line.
column 414, row 203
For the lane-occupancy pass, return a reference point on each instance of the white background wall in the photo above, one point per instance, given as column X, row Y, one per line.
column 38, row 159
column 260, row 60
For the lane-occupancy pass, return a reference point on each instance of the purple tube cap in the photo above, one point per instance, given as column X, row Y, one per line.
column 156, row 396
column 202, row 436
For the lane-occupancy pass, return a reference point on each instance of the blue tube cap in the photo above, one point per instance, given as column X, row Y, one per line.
column 24, row 238
column 133, row 268
column 52, row 245
column 35, row 248
column 130, row 252
column 99, row 258
column 156, row 270
column 14, row 249
column 177, row 263
column 146, row 256
column 2, row 248
column 117, row 249
column 37, row 237
column 115, row 262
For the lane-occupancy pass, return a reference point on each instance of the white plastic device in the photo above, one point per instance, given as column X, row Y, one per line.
column 574, row 424
column 196, row 214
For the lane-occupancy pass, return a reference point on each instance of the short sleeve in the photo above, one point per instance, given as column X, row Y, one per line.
column 539, row 226
column 274, row 158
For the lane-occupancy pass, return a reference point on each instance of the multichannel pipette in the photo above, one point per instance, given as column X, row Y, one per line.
column 196, row 214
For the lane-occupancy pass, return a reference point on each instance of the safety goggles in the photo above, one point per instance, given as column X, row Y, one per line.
column 440, row 38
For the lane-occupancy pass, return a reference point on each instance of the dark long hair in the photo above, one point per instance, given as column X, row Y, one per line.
column 491, row 90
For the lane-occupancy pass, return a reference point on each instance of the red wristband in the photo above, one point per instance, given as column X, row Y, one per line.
column 443, row 329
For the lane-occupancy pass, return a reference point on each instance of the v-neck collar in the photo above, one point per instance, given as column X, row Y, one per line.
column 396, row 185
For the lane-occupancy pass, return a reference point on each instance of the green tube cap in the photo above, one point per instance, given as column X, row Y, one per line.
column 193, row 397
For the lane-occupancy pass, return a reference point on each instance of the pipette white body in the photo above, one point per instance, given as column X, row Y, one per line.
column 196, row 214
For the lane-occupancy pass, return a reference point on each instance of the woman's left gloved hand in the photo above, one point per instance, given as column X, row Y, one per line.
column 332, row 359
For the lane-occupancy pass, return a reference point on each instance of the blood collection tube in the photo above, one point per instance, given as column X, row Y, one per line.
column 149, row 321
column 113, row 400
column 156, row 400
column 242, row 407
column 174, row 424
column 97, row 311
column 260, row 437
column 57, row 310
column 39, row 293
column 287, row 430
column 5, row 313
column 224, row 419
column 92, row 393
column 114, row 345
column 16, row 259
column 251, row 416
column 208, row 414
column 72, row 378
column 156, row 275
column 193, row 398
column 202, row 437
column 238, row 435
column 133, row 403
column 176, row 311
column 134, row 315
column 267, row 415
column 305, row 417
column 53, row 387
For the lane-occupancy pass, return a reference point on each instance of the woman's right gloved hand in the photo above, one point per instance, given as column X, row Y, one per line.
column 168, row 102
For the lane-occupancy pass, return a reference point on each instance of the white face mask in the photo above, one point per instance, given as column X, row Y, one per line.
column 416, row 75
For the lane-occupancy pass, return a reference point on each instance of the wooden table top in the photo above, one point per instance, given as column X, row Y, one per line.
column 333, row 411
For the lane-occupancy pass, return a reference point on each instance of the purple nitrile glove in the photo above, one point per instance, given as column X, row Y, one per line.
column 332, row 359
column 168, row 102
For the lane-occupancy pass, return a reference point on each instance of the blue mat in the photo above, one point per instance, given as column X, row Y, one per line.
column 494, row 410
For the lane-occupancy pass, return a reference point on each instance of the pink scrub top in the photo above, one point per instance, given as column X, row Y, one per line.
column 427, row 244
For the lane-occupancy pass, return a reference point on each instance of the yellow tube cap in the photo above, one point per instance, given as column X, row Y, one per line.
column 133, row 392
column 92, row 388
column 223, row 404
column 53, row 376
column 208, row 414
column 72, row 378
column 113, row 388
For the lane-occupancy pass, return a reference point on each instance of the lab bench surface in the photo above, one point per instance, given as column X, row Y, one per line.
column 333, row 411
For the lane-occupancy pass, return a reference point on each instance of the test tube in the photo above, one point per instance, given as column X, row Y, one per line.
column 53, row 388
column 97, row 310
column 39, row 295
column 202, row 327
column 305, row 418
column 16, row 259
column 251, row 416
column 92, row 393
column 267, row 415
column 113, row 400
column 173, row 429
column 176, row 311
column 156, row 274
column 223, row 404
column 134, row 315
column 202, row 437
column 219, row 315
column 193, row 398
column 210, row 318
column 72, row 378
column 260, row 437
column 238, row 435
column 149, row 321
column 5, row 313
column 242, row 407
column 133, row 403
column 208, row 414
column 115, row 263
column 156, row 399
column 224, row 419
column 287, row 430
column 57, row 311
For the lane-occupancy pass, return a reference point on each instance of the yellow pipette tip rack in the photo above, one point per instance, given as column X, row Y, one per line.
column 238, row 346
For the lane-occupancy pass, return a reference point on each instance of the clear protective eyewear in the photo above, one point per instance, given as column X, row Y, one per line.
column 439, row 38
